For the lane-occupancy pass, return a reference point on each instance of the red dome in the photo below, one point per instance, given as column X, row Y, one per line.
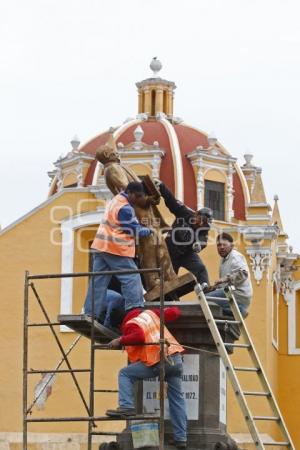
column 177, row 140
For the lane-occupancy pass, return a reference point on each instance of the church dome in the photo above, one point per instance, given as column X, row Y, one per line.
column 187, row 153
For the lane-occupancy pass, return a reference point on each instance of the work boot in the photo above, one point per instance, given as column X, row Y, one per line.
column 178, row 444
column 121, row 412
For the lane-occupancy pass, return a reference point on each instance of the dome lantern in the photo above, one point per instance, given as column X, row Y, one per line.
column 155, row 94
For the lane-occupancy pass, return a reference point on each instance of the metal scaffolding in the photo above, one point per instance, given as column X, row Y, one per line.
column 91, row 418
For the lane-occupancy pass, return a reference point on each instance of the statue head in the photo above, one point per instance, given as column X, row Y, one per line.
column 107, row 154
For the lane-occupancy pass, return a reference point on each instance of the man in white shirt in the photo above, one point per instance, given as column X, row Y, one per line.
column 233, row 270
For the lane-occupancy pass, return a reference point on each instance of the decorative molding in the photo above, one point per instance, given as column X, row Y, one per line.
column 214, row 159
column 156, row 162
column 287, row 287
column 253, row 217
column 142, row 116
column 201, row 152
column 73, row 163
column 260, row 259
column 258, row 233
column 154, row 82
column 200, row 186
column 286, row 261
column 199, row 166
column 230, row 192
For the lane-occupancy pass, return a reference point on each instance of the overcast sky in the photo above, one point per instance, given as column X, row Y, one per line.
column 70, row 67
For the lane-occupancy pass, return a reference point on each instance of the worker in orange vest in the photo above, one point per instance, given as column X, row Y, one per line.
column 114, row 249
column 139, row 327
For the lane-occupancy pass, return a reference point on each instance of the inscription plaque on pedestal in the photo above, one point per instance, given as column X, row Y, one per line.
column 190, row 387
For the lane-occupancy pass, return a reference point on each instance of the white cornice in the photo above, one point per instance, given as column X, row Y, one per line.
column 205, row 154
column 257, row 233
column 141, row 152
column 73, row 158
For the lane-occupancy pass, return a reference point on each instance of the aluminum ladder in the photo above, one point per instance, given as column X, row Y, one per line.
column 232, row 371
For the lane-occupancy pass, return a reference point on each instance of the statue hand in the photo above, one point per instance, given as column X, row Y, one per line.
column 153, row 200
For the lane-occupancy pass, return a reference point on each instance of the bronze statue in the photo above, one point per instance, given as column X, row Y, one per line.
column 152, row 251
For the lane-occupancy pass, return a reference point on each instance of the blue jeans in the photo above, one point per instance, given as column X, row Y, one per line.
column 131, row 284
column 224, row 302
column 112, row 300
column 139, row 371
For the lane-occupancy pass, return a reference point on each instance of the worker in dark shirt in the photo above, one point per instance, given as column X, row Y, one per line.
column 188, row 236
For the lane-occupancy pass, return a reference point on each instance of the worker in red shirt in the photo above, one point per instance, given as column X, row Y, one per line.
column 143, row 326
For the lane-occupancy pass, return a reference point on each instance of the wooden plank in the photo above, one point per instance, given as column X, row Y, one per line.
column 180, row 286
column 82, row 324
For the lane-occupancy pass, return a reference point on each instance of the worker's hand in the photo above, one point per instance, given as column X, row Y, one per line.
column 208, row 289
column 197, row 247
column 222, row 281
column 115, row 343
column 157, row 182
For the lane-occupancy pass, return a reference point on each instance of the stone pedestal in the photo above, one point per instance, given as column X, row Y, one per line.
column 204, row 383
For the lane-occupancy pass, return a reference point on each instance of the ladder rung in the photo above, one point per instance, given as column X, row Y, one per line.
column 247, row 369
column 227, row 344
column 208, row 297
column 257, row 394
column 278, row 444
column 231, row 322
column 93, row 418
column 275, row 419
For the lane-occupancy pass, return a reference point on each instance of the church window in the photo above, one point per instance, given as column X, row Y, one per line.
column 215, row 198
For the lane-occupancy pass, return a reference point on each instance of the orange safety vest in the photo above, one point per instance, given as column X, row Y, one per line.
column 150, row 354
column 110, row 237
